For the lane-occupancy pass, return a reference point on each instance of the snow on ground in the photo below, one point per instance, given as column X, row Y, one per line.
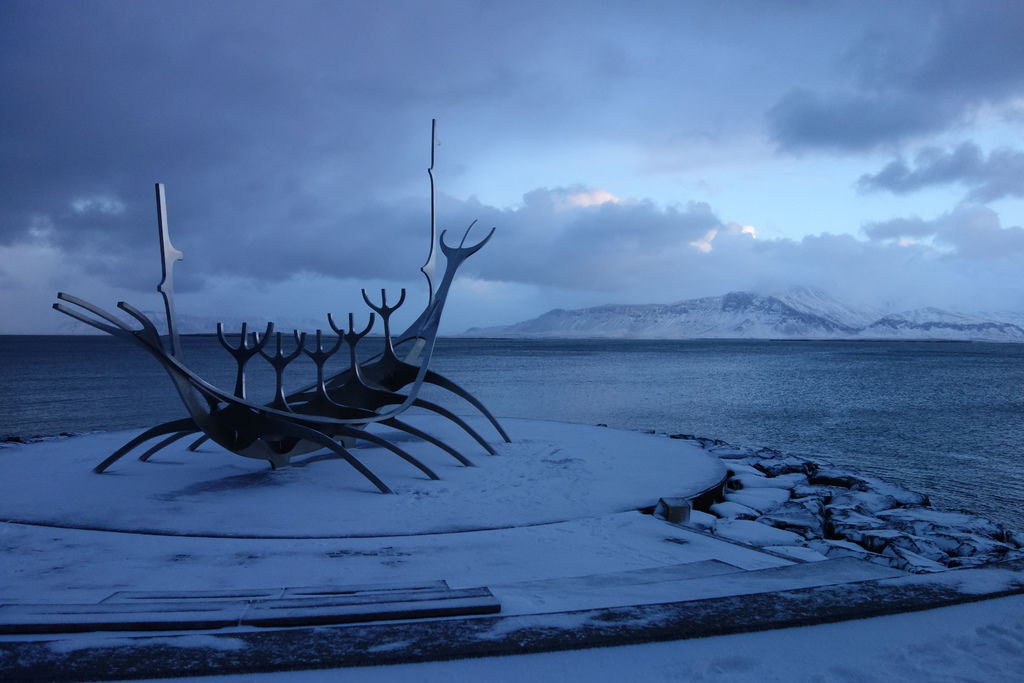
column 66, row 565
column 981, row 641
column 580, row 478
column 549, row 524
column 551, row 472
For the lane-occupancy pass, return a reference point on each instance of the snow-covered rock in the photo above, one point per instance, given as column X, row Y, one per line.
column 887, row 541
column 774, row 467
column 926, row 520
column 813, row 491
column 812, row 504
column 839, row 513
column 754, row 533
column 797, row 552
column 731, row 510
column 974, row 545
column 796, row 518
column 832, row 549
column 868, row 502
column 758, row 480
column 834, row 476
column 760, row 499
column 874, row 540
column 739, row 468
column 842, row 521
column 701, row 520
column 912, row 562
column 901, row 495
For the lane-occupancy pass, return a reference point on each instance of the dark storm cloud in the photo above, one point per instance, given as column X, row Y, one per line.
column 274, row 129
column 804, row 119
column 896, row 228
column 1000, row 174
column 290, row 138
column 279, row 127
column 558, row 238
column 907, row 81
column 970, row 233
column 281, row 131
column 110, row 97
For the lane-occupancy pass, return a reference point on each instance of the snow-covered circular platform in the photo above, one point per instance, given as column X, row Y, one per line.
column 550, row 472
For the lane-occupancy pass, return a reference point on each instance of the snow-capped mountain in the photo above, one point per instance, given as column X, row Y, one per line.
column 797, row 313
column 816, row 302
column 935, row 323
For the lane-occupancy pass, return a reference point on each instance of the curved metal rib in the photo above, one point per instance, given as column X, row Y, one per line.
column 404, row 455
column 395, row 423
column 285, row 428
column 177, row 426
column 444, row 412
column 164, row 444
column 445, row 383
column 198, row 442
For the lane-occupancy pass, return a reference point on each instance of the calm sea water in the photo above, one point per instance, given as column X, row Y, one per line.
column 943, row 418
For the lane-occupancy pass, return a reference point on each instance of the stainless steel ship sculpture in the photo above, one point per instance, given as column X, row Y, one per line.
column 331, row 413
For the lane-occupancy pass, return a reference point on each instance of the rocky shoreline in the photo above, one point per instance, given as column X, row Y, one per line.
column 809, row 509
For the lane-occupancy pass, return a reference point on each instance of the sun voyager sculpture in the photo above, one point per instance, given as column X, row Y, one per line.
column 330, row 413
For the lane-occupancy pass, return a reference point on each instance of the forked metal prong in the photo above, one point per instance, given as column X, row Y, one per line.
column 244, row 351
column 462, row 251
column 94, row 309
column 109, row 329
column 148, row 331
column 384, row 309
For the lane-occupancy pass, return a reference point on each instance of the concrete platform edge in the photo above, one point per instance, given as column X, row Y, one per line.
column 132, row 656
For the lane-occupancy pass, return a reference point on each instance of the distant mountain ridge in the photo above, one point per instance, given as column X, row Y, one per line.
column 797, row 313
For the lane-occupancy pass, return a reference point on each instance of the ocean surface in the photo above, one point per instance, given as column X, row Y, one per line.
column 943, row 418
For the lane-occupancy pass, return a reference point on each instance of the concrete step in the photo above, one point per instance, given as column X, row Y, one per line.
column 272, row 593
column 182, row 610
column 634, row 577
column 670, row 584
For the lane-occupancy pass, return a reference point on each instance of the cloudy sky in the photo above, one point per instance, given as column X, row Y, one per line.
column 632, row 152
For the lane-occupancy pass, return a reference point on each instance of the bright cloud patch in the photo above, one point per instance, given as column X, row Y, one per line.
column 101, row 204
column 591, row 198
column 704, row 243
column 971, row 232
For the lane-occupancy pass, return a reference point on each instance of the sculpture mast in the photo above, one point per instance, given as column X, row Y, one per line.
column 168, row 255
column 430, row 266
